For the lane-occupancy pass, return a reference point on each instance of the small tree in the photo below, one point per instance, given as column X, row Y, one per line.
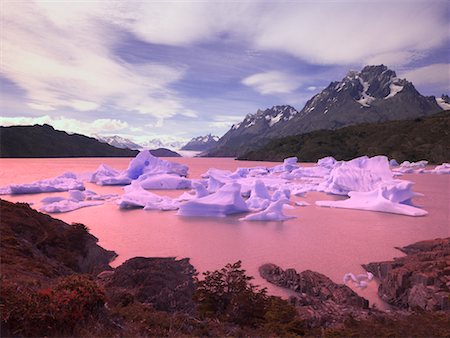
column 228, row 295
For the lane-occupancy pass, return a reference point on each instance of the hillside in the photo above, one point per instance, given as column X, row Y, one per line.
column 422, row 138
column 374, row 94
column 45, row 141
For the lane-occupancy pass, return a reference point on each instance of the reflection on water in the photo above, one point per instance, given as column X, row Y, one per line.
column 330, row 241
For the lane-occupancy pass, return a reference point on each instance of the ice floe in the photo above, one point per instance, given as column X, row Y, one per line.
column 225, row 201
column 361, row 280
column 164, row 182
column 407, row 167
column 65, row 182
column 388, row 198
column 274, row 212
column 444, row 168
column 77, row 199
column 144, row 164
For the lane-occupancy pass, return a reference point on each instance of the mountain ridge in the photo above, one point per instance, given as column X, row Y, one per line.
column 375, row 94
column 46, row 142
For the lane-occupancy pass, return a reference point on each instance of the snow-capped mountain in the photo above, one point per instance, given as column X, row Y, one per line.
column 375, row 94
column 443, row 102
column 119, row 142
column 160, row 143
column 201, row 143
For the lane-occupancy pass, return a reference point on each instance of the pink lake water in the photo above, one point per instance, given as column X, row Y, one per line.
column 329, row 241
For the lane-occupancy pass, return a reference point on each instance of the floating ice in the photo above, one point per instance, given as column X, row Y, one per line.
column 105, row 175
column 281, row 194
column 393, row 163
column 259, row 197
column 136, row 197
column 301, row 204
column 65, row 182
column 411, row 167
column 360, row 174
column 274, row 212
column 143, row 164
column 164, row 182
column 444, row 168
column 146, row 163
column 199, row 191
column 77, row 199
column 387, row 198
column 361, row 280
column 288, row 165
column 227, row 200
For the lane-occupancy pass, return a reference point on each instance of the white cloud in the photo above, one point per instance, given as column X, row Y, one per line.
column 272, row 82
column 323, row 32
column 438, row 74
column 68, row 124
column 312, row 88
column 61, row 54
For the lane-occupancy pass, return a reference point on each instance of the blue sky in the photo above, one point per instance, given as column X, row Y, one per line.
column 178, row 69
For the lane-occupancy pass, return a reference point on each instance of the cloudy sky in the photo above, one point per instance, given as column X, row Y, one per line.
column 178, row 69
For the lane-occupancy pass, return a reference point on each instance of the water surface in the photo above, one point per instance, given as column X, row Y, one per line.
column 330, row 241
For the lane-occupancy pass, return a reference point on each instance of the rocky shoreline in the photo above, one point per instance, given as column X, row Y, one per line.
column 56, row 281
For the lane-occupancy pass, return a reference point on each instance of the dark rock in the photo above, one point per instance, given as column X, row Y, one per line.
column 37, row 246
column 319, row 301
column 418, row 280
column 45, row 141
column 163, row 152
column 166, row 283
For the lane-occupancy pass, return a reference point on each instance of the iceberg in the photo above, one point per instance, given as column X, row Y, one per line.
column 65, row 182
column 359, row 174
column 143, row 164
column 164, row 182
column 136, row 197
column 361, row 280
column 105, row 175
column 274, row 212
column 146, row 163
column 444, row 168
column 386, row 198
column 77, row 199
column 259, row 197
column 225, row 201
column 411, row 167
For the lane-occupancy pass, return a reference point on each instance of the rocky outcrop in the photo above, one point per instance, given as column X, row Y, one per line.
column 166, row 283
column 319, row 301
column 37, row 246
column 421, row 279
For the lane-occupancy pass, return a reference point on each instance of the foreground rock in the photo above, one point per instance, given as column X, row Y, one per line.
column 319, row 301
column 421, row 279
column 35, row 246
column 165, row 283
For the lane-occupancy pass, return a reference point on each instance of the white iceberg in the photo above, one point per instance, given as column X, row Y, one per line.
column 259, row 197
column 164, row 182
column 444, row 168
column 146, row 163
column 386, row 198
column 105, row 175
column 77, row 199
column 411, row 167
column 360, row 174
column 274, row 212
column 137, row 197
column 143, row 164
column 227, row 200
column 361, row 280
column 65, row 182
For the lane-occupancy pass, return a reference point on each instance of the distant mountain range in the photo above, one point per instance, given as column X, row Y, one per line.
column 118, row 142
column 426, row 138
column 201, row 143
column 45, row 141
column 375, row 94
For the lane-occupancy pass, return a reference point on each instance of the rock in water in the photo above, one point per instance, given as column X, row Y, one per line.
column 419, row 280
column 319, row 300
